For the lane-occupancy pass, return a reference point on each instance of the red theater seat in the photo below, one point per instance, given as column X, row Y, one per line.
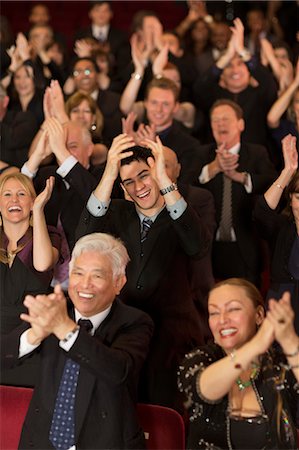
column 164, row 428
column 14, row 402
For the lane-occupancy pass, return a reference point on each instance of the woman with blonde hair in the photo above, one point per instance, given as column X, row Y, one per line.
column 29, row 249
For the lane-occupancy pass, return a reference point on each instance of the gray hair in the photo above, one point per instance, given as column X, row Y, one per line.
column 104, row 244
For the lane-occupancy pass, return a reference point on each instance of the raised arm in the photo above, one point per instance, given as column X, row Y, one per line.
column 140, row 60
column 44, row 254
column 40, row 151
column 217, row 379
column 158, row 170
column 281, row 316
column 280, row 106
column 290, row 156
column 116, row 153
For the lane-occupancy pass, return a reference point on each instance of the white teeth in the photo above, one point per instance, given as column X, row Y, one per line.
column 143, row 195
column 85, row 295
column 14, row 208
column 228, row 331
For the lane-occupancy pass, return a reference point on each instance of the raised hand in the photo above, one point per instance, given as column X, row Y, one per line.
column 145, row 132
column 238, row 33
column 128, row 124
column 83, row 48
column 57, row 102
column 281, row 316
column 42, row 199
column 290, row 154
column 23, row 47
column 48, row 314
column 157, row 164
column 140, row 54
column 117, row 152
column 161, row 60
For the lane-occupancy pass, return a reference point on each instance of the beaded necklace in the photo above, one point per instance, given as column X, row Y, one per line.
column 245, row 384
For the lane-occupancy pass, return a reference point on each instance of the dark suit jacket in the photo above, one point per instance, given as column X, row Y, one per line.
column 200, row 270
column 280, row 232
column 110, row 362
column 68, row 203
column 253, row 159
column 108, row 102
column 17, row 129
column 158, row 282
column 158, row 279
column 186, row 147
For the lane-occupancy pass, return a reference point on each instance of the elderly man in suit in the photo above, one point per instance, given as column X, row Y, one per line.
column 161, row 232
column 91, row 355
column 234, row 172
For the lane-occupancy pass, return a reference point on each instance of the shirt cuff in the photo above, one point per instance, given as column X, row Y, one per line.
column 26, row 171
column 68, row 345
column 97, row 208
column 25, row 347
column 176, row 210
column 66, row 166
column 204, row 175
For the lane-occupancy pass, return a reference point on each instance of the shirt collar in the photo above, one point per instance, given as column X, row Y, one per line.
column 153, row 218
column 96, row 320
column 96, row 30
column 235, row 149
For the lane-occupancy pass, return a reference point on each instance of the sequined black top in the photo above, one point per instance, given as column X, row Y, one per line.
column 210, row 426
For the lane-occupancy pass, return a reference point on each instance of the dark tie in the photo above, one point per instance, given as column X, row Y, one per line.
column 146, row 224
column 86, row 324
column 62, row 432
column 226, row 220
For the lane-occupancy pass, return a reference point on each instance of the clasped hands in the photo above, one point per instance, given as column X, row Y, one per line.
column 227, row 162
column 278, row 325
column 47, row 314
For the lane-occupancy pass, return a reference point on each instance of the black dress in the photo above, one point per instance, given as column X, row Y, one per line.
column 16, row 282
column 210, row 425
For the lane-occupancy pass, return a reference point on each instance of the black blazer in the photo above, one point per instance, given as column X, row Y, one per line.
column 110, row 362
column 158, row 276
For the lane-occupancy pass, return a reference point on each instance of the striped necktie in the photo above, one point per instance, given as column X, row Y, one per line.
column 146, row 225
column 226, row 221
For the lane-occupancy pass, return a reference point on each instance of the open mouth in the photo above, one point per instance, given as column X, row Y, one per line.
column 14, row 209
column 85, row 295
column 227, row 332
column 144, row 194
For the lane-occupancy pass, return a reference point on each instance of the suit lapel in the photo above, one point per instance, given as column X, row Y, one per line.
column 156, row 232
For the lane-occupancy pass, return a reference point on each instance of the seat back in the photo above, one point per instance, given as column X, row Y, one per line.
column 164, row 428
column 14, row 402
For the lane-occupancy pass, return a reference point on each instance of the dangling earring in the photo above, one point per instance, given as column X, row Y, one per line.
column 93, row 127
column 1, row 221
column 31, row 220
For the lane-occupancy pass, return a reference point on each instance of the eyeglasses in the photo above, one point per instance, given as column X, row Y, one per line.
column 86, row 72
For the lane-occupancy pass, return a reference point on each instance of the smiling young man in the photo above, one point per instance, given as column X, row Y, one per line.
column 158, row 277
